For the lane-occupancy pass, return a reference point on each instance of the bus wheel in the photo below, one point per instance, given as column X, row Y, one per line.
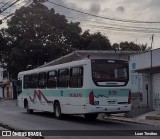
column 57, row 110
column 91, row 116
column 30, row 111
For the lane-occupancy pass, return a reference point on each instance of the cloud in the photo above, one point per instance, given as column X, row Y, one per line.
column 144, row 10
column 95, row 8
column 120, row 9
column 154, row 3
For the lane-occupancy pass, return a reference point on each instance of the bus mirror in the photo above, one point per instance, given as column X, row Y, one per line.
column 146, row 86
column 19, row 82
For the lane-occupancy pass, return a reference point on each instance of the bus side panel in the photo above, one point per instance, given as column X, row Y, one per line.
column 72, row 101
column 73, row 105
column 77, row 101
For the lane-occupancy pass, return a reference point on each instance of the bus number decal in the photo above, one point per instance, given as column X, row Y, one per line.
column 75, row 95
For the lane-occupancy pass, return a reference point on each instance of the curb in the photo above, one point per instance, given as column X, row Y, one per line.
column 153, row 117
column 131, row 121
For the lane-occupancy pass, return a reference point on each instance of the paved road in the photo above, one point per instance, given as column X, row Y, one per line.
column 17, row 118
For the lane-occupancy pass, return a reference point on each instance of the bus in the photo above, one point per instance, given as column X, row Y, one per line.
column 88, row 87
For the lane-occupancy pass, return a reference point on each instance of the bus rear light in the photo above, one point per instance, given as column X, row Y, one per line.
column 129, row 97
column 91, row 98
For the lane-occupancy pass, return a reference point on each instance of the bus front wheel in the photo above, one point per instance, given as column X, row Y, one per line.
column 30, row 111
column 91, row 116
column 57, row 110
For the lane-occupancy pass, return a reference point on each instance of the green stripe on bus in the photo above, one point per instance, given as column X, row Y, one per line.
column 80, row 92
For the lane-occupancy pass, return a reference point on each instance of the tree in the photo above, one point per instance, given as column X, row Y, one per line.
column 129, row 46
column 95, row 41
column 36, row 35
column 116, row 46
column 2, row 44
column 39, row 35
column 4, row 47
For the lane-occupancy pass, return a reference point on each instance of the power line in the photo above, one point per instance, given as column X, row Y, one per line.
column 10, row 6
column 118, row 27
column 2, row 2
column 7, row 16
column 121, row 26
column 123, row 29
column 6, row 4
column 63, row 1
column 14, row 13
column 108, row 18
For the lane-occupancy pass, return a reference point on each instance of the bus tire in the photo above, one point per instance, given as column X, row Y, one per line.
column 91, row 116
column 30, row 111
column 57, row 110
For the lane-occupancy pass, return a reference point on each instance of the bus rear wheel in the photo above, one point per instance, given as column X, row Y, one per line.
column 91, row 116
column 57, row 110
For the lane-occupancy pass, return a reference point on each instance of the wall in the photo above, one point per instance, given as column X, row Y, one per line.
column 1, row 92
column 1, row 74
column 145, row 60
column 8, row 90
column 136, row 89
column 141, row 61
column 138, row 82
column 1, row 79
column 148, row 64
column 156, row 58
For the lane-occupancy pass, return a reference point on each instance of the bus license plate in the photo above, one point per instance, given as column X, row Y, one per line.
column 112, row 102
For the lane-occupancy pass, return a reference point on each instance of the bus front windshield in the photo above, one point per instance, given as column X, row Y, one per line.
column 110, row 72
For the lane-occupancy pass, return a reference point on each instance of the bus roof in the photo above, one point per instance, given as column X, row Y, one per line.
column 59, row 66
column 48, row 68
column 93, row 54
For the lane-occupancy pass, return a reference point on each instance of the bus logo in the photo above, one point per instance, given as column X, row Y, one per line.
column 38, row 94
column 112, row 92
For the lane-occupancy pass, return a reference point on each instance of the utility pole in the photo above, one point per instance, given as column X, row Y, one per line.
column 151, row 47
column 152, row 41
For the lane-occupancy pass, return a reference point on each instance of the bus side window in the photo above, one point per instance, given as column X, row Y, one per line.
column 63, row 78
column 34, row 81
column 42, row 80
column 52, row 79
column 26, row 82
column 76, row 77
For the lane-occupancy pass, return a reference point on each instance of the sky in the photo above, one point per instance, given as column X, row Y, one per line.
column 119, row 20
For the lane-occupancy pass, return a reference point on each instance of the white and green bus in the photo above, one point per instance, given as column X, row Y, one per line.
column 88, row 87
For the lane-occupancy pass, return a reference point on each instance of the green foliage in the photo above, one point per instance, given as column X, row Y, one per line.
column 38, row 35
column 4, row 47
column 95, row 41
column 129, row 46
column 2, row 44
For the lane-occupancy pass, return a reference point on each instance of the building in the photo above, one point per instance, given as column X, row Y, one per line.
column 1, row 79
column 81, row 54
column 7, row 87
column 147, row 65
